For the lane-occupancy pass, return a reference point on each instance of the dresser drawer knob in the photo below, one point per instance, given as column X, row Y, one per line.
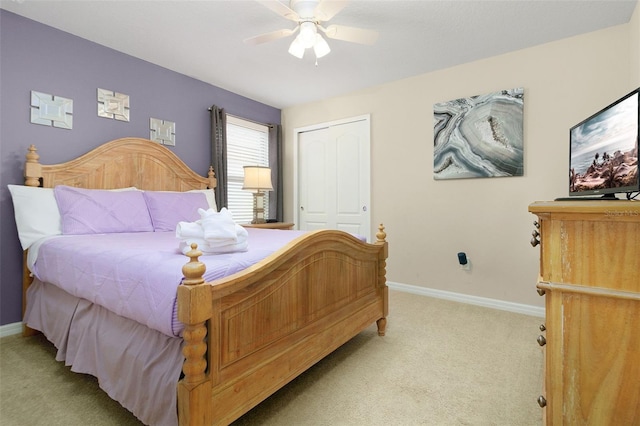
column 541, row 291
column 534, row 242
column 536, row 224
column 541, row 340
column 542, row 402
column 542, row 327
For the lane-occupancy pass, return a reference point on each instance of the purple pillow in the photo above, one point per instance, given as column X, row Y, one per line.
column 168, row 208
column 96, row 211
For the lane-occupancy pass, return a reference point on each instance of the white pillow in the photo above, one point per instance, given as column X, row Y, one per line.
column 211, row 197
column 36, row 212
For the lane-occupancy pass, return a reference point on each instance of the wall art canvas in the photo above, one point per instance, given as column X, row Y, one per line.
column 480, row 136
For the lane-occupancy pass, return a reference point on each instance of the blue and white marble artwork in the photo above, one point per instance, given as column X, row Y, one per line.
column 480, row 136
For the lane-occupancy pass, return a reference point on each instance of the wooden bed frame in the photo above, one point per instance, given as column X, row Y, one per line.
column 249, row 334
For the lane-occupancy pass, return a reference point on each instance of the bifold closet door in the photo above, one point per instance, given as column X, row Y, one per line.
column 334, row 178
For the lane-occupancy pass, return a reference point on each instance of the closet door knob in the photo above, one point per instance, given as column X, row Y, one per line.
column 541, row 340
column 534, row 242
column 542, row 327
column 542, row 402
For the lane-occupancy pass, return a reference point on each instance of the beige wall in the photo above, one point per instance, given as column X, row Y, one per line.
column 634, row 48
column 428, row 222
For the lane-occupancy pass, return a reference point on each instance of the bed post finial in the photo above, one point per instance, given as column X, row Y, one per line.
column 381, row 235
column 194, row 269
column 32, row 168
column 213, row 182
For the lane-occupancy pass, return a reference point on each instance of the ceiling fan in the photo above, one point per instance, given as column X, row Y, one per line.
column 309, row 15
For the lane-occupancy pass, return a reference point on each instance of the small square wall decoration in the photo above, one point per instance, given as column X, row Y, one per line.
column 113, row 105
column 50, row 110
column 163, row 132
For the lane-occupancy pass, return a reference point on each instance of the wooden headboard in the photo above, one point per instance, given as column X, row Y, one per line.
column 119, row 163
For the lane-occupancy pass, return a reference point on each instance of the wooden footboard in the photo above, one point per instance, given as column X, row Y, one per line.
column 249, row 334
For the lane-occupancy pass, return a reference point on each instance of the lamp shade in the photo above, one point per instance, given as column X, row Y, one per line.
column 257, row 178
column 297, row 47
column 321, row 48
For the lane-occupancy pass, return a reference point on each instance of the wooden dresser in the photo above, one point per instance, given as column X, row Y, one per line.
column 590, row 279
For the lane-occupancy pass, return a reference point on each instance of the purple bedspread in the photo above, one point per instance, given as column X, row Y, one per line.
column 136, row 275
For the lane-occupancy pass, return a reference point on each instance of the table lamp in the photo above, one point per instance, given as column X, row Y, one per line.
column 258, row 180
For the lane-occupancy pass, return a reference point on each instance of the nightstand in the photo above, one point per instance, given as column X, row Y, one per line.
column 272, row 225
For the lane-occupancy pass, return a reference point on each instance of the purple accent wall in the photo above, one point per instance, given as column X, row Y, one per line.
column 38, row 57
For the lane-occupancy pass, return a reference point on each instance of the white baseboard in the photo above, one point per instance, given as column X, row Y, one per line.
column 10, row 329
column 473, row 300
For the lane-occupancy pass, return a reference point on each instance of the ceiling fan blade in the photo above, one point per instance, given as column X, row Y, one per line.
column 328, row 9
column 280, row 9
column 352, row 34
column 274, row 35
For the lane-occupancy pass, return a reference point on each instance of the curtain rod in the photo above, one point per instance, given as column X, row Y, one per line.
column 247, row 119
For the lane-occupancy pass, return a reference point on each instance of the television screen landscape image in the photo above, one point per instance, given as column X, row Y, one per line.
column 604, row 150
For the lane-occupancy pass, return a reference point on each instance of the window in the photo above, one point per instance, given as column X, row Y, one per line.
column 247, row 145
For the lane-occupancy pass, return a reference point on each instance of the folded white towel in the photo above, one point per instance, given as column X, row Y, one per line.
column 189, row 230
column 208, row 247
column 185, row 247
column 218, row 226
column 214, row 233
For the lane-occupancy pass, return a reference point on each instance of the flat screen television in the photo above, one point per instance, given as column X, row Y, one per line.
column 603, row 152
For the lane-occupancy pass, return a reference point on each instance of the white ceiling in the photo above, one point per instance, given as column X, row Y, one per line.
column 204, row 39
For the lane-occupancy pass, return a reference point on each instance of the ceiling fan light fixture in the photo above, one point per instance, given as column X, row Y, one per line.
column 321, row 47
column 309, row 15
column 297, row 47
column 308, row 33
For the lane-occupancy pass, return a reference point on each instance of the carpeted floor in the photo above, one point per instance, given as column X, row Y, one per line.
column 441, row 363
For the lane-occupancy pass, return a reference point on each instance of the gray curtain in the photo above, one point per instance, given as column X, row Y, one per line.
column 276, row 203
column 219, row 153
